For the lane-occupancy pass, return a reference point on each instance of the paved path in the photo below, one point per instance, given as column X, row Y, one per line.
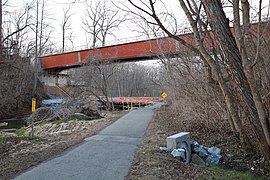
column 107, row 155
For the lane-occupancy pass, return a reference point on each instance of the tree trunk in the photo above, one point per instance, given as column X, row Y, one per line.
column 63, row 39
column 1, row 35
column 225, row 88
column 246, row 44
column 36, row 51
column 221, row 30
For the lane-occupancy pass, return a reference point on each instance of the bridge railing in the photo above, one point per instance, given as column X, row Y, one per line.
column 119, row 41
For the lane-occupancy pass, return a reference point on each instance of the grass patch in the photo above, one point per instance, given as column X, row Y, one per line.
column 221, row 173
column 27, row 136
column 58, row 122
column 3, row 138
column 20, row 132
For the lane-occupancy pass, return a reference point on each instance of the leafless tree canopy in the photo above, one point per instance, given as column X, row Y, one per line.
column 23, row 40
column 100, row 21
column 65, row 25
column 105, row 80
column 232, row 65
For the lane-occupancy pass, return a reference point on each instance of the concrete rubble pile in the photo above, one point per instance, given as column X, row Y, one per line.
column 186, row 150
column 210, row 155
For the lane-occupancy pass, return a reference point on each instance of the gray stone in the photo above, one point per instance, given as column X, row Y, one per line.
column 176, row 140
column 214, row 150
column 178, row 153
column 213, row 159
column 201, row 151
column 88, row 110
column 195, row 159
column 180, row 140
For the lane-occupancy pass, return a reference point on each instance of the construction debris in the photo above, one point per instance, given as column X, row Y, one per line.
column 210, row 155
column 180, row 153
column 200, row 154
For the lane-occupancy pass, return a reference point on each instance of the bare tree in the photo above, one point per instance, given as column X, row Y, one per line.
column 36, row 60
column 15, row 27
column 109, row 21
column 42, row 32
column 65, row 25
column 1, row 26
column 105, row 80
column 16, row 72
column 100, row 21
column 45, row 29
column 90, row 23
column 17, row 31
column 1, row 37
column 24, row 36
column 96, row 77
column 16, row 85
column 136, row 80
column 240, row 64
column 229, row 55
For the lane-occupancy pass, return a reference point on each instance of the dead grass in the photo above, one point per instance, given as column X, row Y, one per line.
column 17, row 154
column 151, row 163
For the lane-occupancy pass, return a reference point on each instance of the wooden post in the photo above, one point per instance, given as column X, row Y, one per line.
column 128, row 105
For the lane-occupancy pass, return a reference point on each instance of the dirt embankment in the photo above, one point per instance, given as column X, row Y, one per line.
column 17, row 154
column 151, row 163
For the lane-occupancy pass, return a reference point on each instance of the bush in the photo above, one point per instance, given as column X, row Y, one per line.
column 20, row 132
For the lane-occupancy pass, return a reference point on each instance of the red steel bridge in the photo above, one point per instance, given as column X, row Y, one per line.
column 134, row 51
column 127, row 52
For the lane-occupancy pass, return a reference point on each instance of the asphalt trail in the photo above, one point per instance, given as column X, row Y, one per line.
column 105, row 156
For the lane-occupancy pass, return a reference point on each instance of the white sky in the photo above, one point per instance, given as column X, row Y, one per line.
column 124, row 32
column 54, row 11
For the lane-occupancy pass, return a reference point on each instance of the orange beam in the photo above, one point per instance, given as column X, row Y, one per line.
column 137, row 100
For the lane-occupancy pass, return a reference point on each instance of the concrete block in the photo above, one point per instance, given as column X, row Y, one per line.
column 176, row 140
column 195, row 159
column 180, row 140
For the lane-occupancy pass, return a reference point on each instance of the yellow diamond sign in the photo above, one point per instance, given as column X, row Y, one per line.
column 164, row 95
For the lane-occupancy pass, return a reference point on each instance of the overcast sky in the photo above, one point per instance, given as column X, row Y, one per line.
column 126, row 31
column 54, row 11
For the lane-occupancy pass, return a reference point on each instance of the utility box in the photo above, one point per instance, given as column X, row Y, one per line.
column 180, row 140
